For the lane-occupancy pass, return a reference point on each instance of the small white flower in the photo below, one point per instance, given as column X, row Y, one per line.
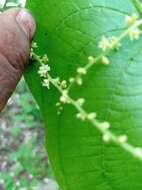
column 105, row 125
column 92, row 116
column 138, row 152
column 104, row 44
column 105, row 60
column 43, row 70
column 64, row 97
column 129, row 20
column 80, row 101
column 81, row 71
column 63, row 84
column 45, row 59
column 46, row 83
column 106, row 137
column 34, row 45
column 81, row 116
column 134, row 34
column 114, row 42
column 79, row 81
column 91, row 60
column 122, row 139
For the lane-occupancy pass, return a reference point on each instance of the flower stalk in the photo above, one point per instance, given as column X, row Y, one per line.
column 106, row 45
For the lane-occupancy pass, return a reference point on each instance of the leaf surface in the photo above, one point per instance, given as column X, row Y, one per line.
column 69, row 31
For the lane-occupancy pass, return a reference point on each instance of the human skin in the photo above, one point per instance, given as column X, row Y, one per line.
column 17, row 27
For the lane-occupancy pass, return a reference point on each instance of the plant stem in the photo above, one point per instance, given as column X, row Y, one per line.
column 98, row 58
column 95, row 123
column 109, row 136
column 137, row 5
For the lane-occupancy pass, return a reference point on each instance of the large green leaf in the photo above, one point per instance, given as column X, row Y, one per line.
column 69, row 31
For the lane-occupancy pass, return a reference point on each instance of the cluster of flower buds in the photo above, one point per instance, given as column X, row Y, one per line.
column 106, row 44
column 134, row 32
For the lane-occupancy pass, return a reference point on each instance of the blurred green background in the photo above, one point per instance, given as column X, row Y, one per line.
column 24, row 162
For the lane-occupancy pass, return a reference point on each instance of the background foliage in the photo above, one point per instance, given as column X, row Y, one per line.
column 24, row 163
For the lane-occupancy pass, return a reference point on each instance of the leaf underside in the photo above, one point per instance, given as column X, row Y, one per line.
column 69, row 31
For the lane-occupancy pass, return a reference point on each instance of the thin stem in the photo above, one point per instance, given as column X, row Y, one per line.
column 97, row 124
column 97, row 59
column 82, row 113
column 120, row 38
column 137, row 5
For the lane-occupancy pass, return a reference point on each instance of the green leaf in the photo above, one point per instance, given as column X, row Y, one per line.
column 69, row 31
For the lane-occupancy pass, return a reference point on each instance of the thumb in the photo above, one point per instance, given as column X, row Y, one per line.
column 17, row 28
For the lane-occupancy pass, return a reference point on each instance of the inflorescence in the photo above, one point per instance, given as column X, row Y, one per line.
column 106, row 45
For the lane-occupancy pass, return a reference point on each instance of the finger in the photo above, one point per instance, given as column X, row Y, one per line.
column 17, row 28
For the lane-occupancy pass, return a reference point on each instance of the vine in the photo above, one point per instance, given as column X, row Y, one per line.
column 106, row 44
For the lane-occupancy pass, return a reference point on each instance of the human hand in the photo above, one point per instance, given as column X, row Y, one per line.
column 17, row 28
